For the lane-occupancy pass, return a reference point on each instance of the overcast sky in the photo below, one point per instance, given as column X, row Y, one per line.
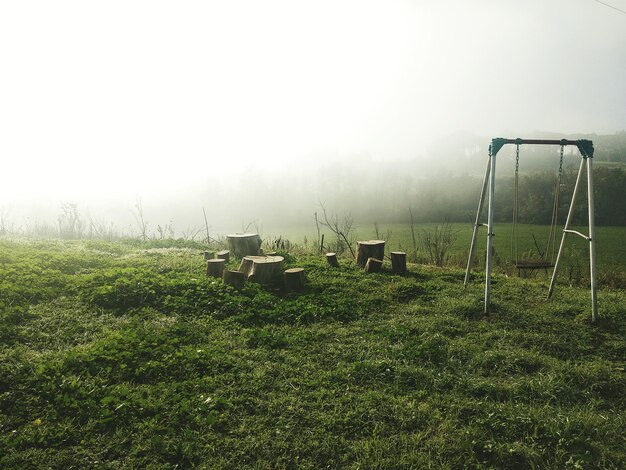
column 126, row 97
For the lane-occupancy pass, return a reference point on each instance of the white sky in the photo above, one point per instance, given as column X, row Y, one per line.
column 118, row 98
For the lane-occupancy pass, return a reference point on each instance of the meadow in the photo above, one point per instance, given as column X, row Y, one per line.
column 124, row 355
column 610, row 248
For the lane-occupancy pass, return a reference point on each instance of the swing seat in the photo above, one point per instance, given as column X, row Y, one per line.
column 533, row 264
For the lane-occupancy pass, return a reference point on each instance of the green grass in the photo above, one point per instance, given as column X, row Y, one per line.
column 610, row 249
column 123, row 355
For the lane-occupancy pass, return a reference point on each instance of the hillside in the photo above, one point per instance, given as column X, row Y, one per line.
column 123, row 354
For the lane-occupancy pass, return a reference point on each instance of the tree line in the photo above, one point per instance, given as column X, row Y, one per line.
column 535, row 198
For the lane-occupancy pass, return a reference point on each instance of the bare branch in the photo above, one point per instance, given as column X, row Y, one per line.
column 142, row 223
column 437, row 243
column 344, row 230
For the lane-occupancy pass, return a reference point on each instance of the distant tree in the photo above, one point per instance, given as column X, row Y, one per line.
column 141, row 221
column 4, row 213
column 70, row 223
column 610, row 196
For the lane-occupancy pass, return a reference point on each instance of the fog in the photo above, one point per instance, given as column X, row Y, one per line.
column 254, row 110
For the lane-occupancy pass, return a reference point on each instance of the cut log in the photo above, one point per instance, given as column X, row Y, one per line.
column 332, row 259
column 265, row 270
column 373, row 265
column 398, row 262
column 244, row 244
column 235, row 279
column 224, row 254
column 369, row 249
column 215, row 267
column 246, row 264
column 208, row 255
column 294, row 279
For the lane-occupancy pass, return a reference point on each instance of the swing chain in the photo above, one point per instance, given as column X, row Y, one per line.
column 514, row 252
column 561, row 165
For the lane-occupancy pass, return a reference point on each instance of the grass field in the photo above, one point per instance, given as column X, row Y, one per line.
column 610, row 246
column 124, row 355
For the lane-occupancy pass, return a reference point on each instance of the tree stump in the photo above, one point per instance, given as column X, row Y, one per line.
column 208, row 255
column 246, row 264
column 332, row 259
column 235, row 279
column 215, row 267
column 369, row 249
column 265, row 270
column 224, row 254
column 244, row 244
column 294, row 279
column 373, row 265
column 398, row 262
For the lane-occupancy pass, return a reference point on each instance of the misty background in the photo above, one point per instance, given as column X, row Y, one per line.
column 257, row 111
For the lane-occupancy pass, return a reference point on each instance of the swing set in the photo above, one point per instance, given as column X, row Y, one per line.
column 546, row 259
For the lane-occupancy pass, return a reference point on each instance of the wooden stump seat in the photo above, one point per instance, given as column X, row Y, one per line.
column 262, row 269
column 369, row 249
column 244, row 244
column 294, row 279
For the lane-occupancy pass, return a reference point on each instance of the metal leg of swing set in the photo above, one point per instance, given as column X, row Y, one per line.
column 591, row 238
column 490, row 234
column 592, row 242
column 489, row 181
column 477, row 224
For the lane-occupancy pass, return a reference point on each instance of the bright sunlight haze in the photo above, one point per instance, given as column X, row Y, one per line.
column 108, row 101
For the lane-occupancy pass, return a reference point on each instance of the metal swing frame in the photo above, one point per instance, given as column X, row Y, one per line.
column 585, row 147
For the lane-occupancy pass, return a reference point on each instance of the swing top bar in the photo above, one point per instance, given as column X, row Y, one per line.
column 584, row 146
